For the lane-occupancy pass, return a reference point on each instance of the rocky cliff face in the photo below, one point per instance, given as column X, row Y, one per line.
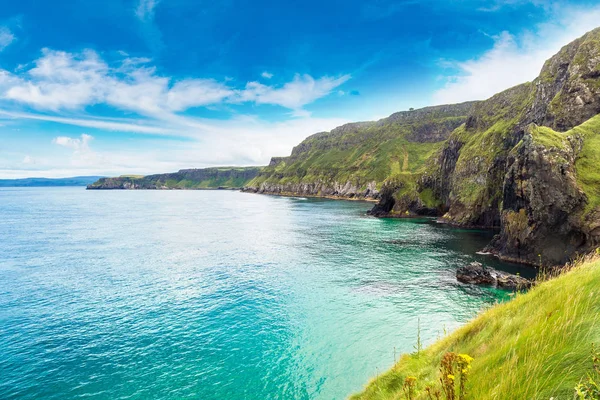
column 353, row 160
column 207, row 178
column 508, row 167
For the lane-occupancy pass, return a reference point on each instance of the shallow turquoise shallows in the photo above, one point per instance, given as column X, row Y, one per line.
column 217, row 294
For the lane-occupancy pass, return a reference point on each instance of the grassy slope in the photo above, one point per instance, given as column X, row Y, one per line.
column 362, row 154
column 536, row 346
column 373, row 160
column 376, row 159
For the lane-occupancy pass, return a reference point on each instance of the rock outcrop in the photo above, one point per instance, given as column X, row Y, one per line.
column 475, row 273
column 319, row 189
column 523, row 162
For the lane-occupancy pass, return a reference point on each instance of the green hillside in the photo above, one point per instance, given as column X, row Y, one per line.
column 523, row 161
column 355, row 159
column 207, row 178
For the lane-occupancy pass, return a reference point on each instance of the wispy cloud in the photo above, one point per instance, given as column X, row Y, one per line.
column 267, row 75
column 80, row 144
column 496, row 5
column 514, row 58
column 6, row 37
column 245, row 140
column 121, row 125
column 145, row 10
column 302, row 90
column 72, row 81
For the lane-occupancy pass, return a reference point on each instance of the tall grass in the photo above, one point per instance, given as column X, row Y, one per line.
column 535, row 346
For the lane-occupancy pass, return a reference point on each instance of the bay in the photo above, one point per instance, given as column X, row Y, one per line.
column 218, row 294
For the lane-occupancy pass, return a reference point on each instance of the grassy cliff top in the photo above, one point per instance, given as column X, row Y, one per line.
column 536, row 346
column 368, row 151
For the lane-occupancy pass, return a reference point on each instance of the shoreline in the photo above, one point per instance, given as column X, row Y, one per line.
column 312, row 196
column 165, row 189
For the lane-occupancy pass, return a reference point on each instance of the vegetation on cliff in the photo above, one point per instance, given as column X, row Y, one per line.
column 355, row 159
column 207, row 178
column 523, row 161
column 536, row 346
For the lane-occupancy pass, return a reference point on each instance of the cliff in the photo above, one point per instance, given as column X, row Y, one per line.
column 354, row 160
column 207, row 178
column 523, row 161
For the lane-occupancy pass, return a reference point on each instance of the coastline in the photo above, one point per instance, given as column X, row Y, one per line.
column 161, row 188
column 329, row 197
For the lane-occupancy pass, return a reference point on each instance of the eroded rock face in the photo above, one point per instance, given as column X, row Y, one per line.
column 476, row 274
column 323, row 189
column 542, row 205
column 492, row 173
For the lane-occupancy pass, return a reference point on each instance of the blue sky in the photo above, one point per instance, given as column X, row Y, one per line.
column 116, row 87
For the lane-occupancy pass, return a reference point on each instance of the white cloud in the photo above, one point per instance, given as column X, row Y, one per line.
column 267, row 75
column 145, row 9
column 81, row 144
column 196, row 92
column 60, row 80
column 242, row 141
column 6, row 37
column 67, row 81
column 115, row 124
column 303, row 90
column 28, row 160
column 515, row 58
column 82, row 157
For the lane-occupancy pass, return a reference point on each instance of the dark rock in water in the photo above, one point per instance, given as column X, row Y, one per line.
column 510, row 281
column 476, row 273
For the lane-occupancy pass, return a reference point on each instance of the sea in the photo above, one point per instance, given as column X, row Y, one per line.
column 219, row 294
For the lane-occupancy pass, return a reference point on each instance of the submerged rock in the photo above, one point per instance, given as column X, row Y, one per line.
column 476, row 273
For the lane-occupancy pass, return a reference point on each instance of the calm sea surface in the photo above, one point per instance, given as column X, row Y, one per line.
column 217, row 294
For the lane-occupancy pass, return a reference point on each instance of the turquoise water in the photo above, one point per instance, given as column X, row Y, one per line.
column 216, row 294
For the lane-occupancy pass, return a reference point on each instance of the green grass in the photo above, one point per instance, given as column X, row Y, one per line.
column 548, row 137
column 364, row 152
column 374, row 160
column 132, row 176
column 536, row 346
column 588, row 160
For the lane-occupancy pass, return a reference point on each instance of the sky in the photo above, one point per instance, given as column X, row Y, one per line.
column 112, row 87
